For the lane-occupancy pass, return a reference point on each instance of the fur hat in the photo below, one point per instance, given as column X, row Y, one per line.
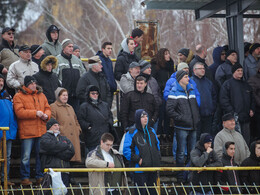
column 49, row 59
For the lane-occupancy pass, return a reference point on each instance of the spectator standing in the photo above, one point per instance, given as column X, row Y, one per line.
column 142, row 149
column 21, row 68
column 185, row 55
column 47, row 79
column 228, row 133
column 208, row 98
column 183, row 108
column 56, row 150
column 105, row 156
column 95, row 118
column 8, row 119
column 32, row 111
column 236, row 97
column 250, row 63
column 94, row 77
column 76, row 52
column 51, row 45
column 37, row 54
column 218, row 56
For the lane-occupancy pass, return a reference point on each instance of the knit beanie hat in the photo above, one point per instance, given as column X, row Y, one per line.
column 134, row 64
column 51, row 122
column 144, row 65
column 35, row 49
column 229, row 52
column 235, row 67
column 253, row 47
column 180, row 74
column 207, row 139
column 28, row 80
column 184, row 51
column 246, row 46
column 182, row 65
column 65, row 43
column 75, row 47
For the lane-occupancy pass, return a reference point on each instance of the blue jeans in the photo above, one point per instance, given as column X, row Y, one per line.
column 8, row 151
column 185, row 138
column 26, row 148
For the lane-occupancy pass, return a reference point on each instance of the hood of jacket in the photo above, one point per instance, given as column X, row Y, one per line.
column 46, row 60
column 200, row 143
column 91, row 88
column 125, row 46
column 252, row 151
column 2, row 77
column 217, row 55
column 48, row 33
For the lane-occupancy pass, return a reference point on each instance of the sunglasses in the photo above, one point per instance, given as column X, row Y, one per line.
column 10, row 33
column 94, row 93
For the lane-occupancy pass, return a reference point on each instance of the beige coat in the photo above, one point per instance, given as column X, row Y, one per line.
column 69, row 125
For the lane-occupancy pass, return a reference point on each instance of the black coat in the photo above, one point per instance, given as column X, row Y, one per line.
column 97, row 79
column 254, row 82
column 135, row 100
column 237, row 96
column 49, row 83
column 123, row 61
column 95, row 120
column 55, row 152
column 223, row 72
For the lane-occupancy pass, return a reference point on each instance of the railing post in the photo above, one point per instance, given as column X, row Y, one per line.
column 4, row 129
column 158, row 183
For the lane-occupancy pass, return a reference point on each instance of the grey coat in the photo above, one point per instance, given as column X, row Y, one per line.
column 250, row 66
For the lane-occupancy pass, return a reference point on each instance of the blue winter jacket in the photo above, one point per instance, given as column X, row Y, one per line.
column 108, row 71
column 170, row 84
column 7, row 117
column 208, row 95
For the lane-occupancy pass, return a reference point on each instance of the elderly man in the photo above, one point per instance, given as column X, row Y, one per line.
column 21, row 68
column 69, row 70
column 94, row 77
column 228, row 133
column 32, row 111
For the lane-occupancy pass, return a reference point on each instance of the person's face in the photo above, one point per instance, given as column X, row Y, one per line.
column 25, row 55
column 185, row 80
column 55, row 128
column 139, row 39
column 49, row 67
column 64, row 97
column 148, row 71
column 1, row 84
column 144, row 120
column 107, row 51
column 140, row 85
column 232, row 58
column 223, row 56
column 107, row 145
column 68, row 50
column 94, row 95
column 39, row 53
column 257, row 150
column 32, row 86
column 54, row 35
column 167, row 56
column 131, row 45
column 199, row 71
column 256, row 53
column 207, row 145
column 8, row 36
column 97, row 68
column 186, row 70
column 229, row 124
column 182, row 57
column 134, row 71
column 231, row 150
column 76, row 52
column 238, row 74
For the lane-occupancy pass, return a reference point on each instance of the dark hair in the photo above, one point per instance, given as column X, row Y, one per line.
column 257, row 142
column 159, row 58
column 141, row 78
column 128, row 39
column 105, row 44
column 61, row 91
column 107, row 136
column 137, row 32
column 227, row 144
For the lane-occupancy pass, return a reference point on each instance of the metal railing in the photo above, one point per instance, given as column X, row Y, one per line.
column 4, row 154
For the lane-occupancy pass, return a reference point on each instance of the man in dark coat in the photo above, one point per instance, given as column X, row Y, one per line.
column 250, row 63
column 208, row 99
column 204, row 156
column 125, row 57
column 94, row 77
column 138, row 99
column 252, row 177
column 218, row 56
column 95, row 118
column 236, row 96
column 56, row 150
column 47, row 79
column 142, row 149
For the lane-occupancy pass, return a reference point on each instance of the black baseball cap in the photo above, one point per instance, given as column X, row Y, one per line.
column 6, row 29
column 24, row 48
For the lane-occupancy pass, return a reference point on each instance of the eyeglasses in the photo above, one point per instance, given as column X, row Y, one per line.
column 10, row 33
column 94, row 93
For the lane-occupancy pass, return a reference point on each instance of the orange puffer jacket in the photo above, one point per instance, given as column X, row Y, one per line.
column 26, row 104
